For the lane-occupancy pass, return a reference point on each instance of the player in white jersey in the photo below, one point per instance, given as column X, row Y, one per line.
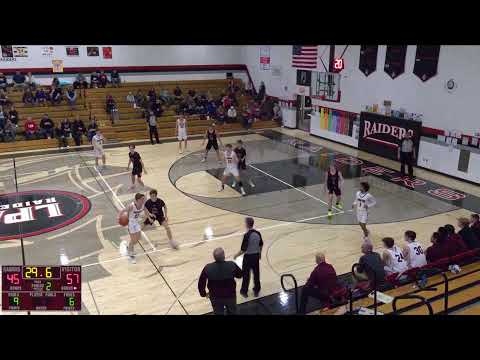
column 231, row 168
column 134, row 210
column 413, row 251
column 97, row 141
column 363, row 201
column 392, row 257
column 181, row 131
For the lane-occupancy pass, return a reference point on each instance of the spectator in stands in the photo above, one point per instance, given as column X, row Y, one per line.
column 3, row 117
column 226, row 102
column 157, row 108
column 71, row 96
column 439, row 249
column 475, row 224
column 102, row 79
column 266, row 109
column 56, row 96
column 47, row 127
column 66, row 128
column 370, row 265
column 413, row 252
column 92, row 129
column 231, row 115
column 455, row 243
column 178, row 94
column 277, row 113
column 320, row 284
column 165, row 97
column 18, row 80
column 10, row 131
column 140, row 99
column 62, row 140
column 115, row 78
column 30, row 81
column 78, row 130
column 467, row 234
column 219, row 278
column 152, row 126
column 152, row 96
column 261, row 92
column 221, row 116
column 28, row 98
column 94, row 80
column 392, row 257
column 131, row 99
column 31, row 129
column 80, row 82
column 13, row 115
column 41, row 97
column 3, row 82
column 4, row 100
column 55, row 82
column 111, row 108
column 192, row 93
column 247, row 118
column 212, row 109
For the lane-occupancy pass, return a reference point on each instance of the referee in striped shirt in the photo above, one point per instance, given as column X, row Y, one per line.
column 252, row 249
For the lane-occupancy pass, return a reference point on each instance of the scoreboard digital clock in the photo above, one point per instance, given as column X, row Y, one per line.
column 35, row 288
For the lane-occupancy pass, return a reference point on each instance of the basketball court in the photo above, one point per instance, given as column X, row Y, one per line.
column 288, row 203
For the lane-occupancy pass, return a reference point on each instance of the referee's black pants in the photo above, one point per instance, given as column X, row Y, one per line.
column 406, row 158
column 251, row 262
column 153, row 132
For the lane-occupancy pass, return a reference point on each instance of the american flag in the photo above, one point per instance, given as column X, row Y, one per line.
column 304, row 56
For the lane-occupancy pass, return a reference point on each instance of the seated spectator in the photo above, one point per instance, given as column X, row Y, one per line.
column 80, row 82
column 177, row 93
column 226, row 102
column 41, row 97
column 455, row 243
column 62, row 140
column 247, row 117
column 71, row 96
column 212, row 109
column 370, row 265
column 221, row 116
column 165, row 97
column 55, row 82
column 232, row 114
column 3, row 117
column 392, row 257
column 320, row 284
column 94, row 80
column 10, row 131
column 31, row 129
column 157, row 108
column 141, row 100
column 3, row 82
column 13, row 115
column 18, row 80
column 152, row 96
column 192, row 93
column 131, row 99
column 475, row 224
column 115, row 78
column 413, row 252
column 4, row 101
column 47, row 127
column 66, row 133
column 92, row 129
column 261, row 92
column 231, row 86
column 30, row 81
column 468, row 236
column 103, row 79
column 28, row 98
column 78, row 130
column 438, row 250
column 56, row 96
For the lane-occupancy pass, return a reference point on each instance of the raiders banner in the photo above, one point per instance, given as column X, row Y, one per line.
column 381, row 134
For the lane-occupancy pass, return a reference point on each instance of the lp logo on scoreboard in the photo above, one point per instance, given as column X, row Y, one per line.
column 31, row 213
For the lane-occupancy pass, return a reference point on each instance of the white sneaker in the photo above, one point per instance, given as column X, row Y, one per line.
column 203, row 160
column 180, row 151
column 123, row 248
column 221, row 188
column 131, row 259
column 234, row 184
column 251, row 183
column 243, row 191
column 174, row 244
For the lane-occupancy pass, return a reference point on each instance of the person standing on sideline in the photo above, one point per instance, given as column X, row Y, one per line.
column 219, row 278
column 181, row 131
column 152, row 126
column 406, row 154
column 97, row 142
column 252, row 245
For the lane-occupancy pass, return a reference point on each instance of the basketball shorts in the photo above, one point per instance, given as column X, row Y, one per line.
column 182, row 135
column 134, row 227
column 362, row 217
column 211, row 144
column 231, row 171
column 242, row 165
column 160, row 220
column 137, row 171
column 334, row 189
column 99, row 153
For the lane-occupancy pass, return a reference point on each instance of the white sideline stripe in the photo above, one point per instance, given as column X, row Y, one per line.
column 293, row 187
column 213, row 239
column 84, row 183
column 121, row 205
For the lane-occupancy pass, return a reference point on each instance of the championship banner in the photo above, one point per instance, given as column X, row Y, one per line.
column 381, row 135
column 57, row 66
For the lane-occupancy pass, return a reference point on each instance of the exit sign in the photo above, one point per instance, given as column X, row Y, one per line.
column 338, row 65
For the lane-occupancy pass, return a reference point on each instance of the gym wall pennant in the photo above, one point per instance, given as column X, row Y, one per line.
column 426, row 61
column 395, row 60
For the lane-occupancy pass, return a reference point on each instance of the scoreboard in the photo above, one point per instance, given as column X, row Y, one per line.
column 35, row 288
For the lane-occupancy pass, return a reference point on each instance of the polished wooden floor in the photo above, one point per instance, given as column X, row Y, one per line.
column 164, row 281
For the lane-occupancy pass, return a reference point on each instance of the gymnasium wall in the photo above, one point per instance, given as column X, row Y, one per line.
column 440, row 109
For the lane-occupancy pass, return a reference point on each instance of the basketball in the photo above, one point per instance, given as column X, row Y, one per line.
column 123, row 219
